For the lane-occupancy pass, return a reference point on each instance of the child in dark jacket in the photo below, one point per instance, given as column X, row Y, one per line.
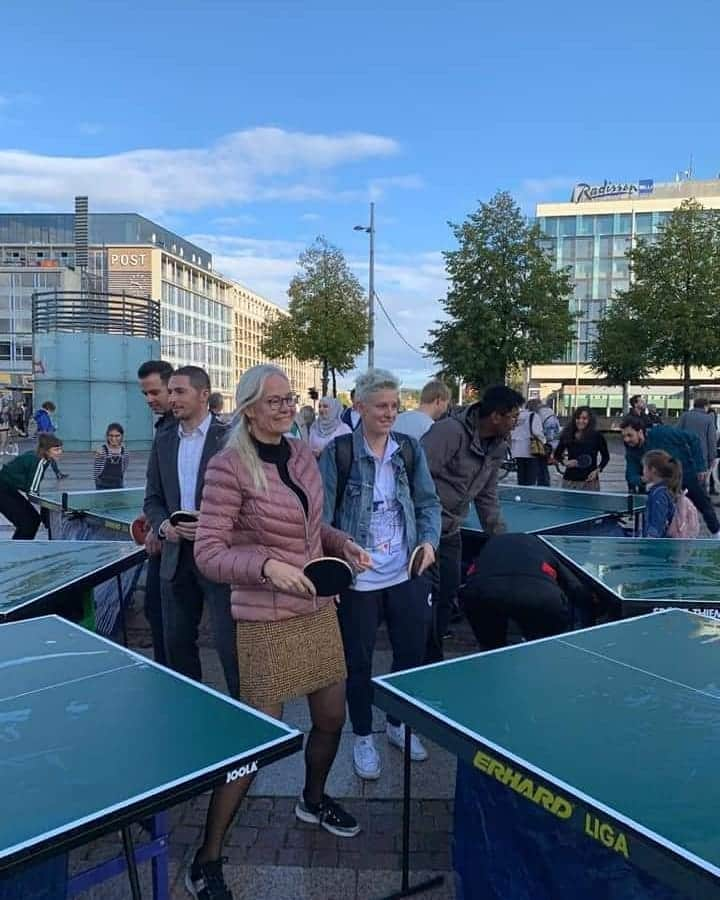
column 663, row 476
column 23, row 476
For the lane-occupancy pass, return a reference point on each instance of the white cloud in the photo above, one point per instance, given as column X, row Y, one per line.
column 255, row 164
column 310, row 217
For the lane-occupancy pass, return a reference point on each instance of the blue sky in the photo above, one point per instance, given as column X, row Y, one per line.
column 254, row 126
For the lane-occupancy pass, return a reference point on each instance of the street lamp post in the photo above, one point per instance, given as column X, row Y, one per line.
column 370, row 230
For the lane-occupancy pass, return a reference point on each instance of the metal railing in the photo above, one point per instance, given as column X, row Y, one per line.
column 78, row 311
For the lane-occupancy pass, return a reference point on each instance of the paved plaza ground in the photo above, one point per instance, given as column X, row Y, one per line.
column 271, row 856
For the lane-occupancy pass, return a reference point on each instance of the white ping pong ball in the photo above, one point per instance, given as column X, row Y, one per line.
column 517, row 498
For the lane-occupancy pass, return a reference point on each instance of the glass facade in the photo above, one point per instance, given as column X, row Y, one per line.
column 593, row 248
column 196, row 324
column 16, row 290
column 49, row 229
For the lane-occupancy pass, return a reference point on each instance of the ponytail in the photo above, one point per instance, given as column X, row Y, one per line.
column 668, row 468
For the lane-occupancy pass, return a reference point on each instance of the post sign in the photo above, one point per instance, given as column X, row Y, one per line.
column 129, row 259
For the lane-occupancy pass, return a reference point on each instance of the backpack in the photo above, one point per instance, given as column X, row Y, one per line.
column 344, row 460
column 685, row 523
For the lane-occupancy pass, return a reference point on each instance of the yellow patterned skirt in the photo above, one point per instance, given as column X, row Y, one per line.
column 290, row 658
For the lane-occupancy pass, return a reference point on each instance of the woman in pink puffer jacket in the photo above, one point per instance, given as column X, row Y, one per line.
column 260, row 522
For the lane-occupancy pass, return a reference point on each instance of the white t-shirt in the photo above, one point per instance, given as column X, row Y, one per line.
column 413, row 422
column 387, row 543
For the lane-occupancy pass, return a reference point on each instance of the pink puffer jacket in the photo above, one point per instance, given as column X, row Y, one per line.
column 240, row 527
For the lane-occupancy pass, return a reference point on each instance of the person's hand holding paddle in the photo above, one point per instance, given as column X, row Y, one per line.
column 594, row 475
column 186, row 530
column 422, row 557
column 358, row 558
column 288, row 578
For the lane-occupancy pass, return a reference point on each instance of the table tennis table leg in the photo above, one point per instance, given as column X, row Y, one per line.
column 123, row 620
column 159, row 832
column 405, row 889
column 129, row 849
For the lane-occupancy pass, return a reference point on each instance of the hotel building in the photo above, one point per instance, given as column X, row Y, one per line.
column 590, row 234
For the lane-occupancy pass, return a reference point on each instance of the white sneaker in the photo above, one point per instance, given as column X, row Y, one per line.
column 366, row 759
column 396, row 736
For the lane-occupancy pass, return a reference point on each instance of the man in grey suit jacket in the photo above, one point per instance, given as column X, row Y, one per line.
column 175, row 477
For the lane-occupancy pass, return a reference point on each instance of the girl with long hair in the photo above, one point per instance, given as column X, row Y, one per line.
column 663, row 476
column 583, row 451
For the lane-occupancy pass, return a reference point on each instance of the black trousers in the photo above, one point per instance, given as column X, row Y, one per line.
column 153, row 608
column 406, row 610
column 699, row 496
column 528, row 469
column 183, row 600
column 445, row 576
column 537, row 605
column 19, row 510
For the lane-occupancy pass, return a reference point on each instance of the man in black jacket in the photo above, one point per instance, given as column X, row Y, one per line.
column 153, row 377
column 175, row 476
column 518, row 577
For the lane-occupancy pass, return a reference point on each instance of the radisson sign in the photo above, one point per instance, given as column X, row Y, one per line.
column 609, row 190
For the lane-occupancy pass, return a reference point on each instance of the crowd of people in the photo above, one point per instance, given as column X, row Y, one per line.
column 235, row 509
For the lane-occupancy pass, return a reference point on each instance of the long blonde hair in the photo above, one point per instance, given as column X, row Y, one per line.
column 249, row 391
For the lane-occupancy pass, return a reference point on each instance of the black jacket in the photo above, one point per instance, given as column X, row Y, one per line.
column 162, row 489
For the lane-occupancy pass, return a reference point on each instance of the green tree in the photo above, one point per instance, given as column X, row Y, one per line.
column 670, row 315
column 620, row 350
column 507, row 305
column 328, row 319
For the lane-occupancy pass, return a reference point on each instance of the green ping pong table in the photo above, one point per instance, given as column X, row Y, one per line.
column 610, row 734
column 94, row 737
column 543, row 510
column 109, row 511
column 640, row 575
column 40, row 577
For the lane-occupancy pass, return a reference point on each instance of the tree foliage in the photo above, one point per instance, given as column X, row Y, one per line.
column 507, row 305
column 328, row 316
column 670, row 315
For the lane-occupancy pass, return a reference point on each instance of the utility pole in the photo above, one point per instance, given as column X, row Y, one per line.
column 370, row 230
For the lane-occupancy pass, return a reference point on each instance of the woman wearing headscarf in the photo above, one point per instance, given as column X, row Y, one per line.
column 328, row 425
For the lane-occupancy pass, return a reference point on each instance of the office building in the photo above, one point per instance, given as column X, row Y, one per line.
column 251, row 311
column 126, row 252
column 590, row 234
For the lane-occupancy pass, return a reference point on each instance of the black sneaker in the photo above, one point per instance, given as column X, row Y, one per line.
column 204, row 881
column 328, row 815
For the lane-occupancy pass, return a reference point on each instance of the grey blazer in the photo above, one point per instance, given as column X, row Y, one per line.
column 162, row 487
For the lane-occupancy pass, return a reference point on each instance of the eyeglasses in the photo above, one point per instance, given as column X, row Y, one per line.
column 275, row 403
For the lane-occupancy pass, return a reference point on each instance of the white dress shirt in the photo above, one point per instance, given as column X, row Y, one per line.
column 188, row 461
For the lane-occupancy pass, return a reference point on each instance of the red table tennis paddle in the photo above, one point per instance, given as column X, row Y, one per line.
column 140, row 529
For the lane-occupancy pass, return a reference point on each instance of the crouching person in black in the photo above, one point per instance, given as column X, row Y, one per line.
column 518, row 577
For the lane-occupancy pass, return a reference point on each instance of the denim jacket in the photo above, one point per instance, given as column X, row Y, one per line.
column 421, row 507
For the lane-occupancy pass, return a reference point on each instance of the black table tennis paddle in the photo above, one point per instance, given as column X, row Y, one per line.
column 329, row 575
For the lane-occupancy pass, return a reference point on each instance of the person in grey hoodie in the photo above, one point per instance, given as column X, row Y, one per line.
column 464, row 452
column 697, row 421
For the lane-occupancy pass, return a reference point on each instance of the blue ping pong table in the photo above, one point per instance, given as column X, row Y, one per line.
column 543, row 510
column 94, row 737
column 645, row 574
column 103, row 514
column 40, row 577
column 603, row 740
